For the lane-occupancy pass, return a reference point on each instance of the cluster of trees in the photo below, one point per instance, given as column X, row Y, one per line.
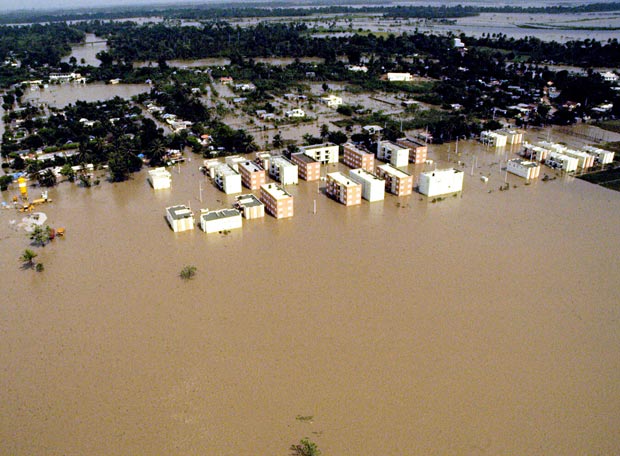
column 277, row 9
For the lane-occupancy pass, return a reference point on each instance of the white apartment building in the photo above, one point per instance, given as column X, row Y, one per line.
column 493, row 138
column 561, row 161
column 250, row 206
column 399, row 77
column 180, row 218
column 221, row 220
column 160, row 178
column 324, row 153
column 440, row 182
column 373, row 187
column 396, row 155
column 283, row 170
column 523, row 168
column 227, row 179
column 601, row 156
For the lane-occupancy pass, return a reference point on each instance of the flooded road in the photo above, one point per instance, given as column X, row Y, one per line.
column 481, row 324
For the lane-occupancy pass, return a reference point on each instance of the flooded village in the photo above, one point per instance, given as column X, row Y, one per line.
column 363, row 286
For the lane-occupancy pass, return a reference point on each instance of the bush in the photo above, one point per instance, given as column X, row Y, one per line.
column 188, row 272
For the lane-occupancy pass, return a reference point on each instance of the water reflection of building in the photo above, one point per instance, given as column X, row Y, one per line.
column 278, row 202
column 343, row 189
column 180, row 218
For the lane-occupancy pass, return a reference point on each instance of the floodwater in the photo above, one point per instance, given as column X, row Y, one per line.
column 64, row 94
column 88, row 51
column 481, row 324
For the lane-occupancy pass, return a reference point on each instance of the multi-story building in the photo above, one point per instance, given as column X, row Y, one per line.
column 323, row 153
column 584, row 159
column 252, row 175
column 283, row 170
column 493, row 138
column 355, row 157
column 601, row 156
column 180, row 218
column 277, row 201
column 227, row 179
column 397, row 155
column 512, row 136
column 373, row 187
column 250, row 206
column 440, row 182
column 417, row 151
column 160, row 178
column 397, row 182
column 309, row 168
column 523, row 168
column 234, row 160
column 343, row 189
column 221, row 220
column 561, row 161
column 262, row 159
column 532, row 152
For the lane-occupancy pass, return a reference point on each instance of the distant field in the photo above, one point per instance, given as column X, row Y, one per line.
column 608, row 179
column 611, row 125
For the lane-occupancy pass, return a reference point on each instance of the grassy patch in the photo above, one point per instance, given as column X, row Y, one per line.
column 611, row 125
column 609, row 178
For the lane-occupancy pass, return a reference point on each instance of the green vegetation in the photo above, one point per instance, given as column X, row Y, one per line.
column 27, row 257
column 611, row 125
column 40, row 235
column 305, row 448
column 188, row 272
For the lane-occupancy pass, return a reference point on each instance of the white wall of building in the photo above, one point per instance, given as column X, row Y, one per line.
column 440, row 182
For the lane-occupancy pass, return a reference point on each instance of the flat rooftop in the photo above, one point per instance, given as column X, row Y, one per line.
column 391, row 146
column 225, row 170
column 250, row 166
column 443, row 171
column 220, row 214
column 393, row 171
column 179, row 212
column 159, row 172
column 303, row 157
column 318, row 146
column 412, row 143
column 275, row 191
column 281, row 161
column 525, row 163
column 248, row 200
column 365, row 175
column 342, row 179
column 356, row 149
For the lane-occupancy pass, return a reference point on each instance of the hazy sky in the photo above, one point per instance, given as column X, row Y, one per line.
column 11, row 5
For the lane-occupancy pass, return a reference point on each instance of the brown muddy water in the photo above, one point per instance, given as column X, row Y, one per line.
column 486, row 323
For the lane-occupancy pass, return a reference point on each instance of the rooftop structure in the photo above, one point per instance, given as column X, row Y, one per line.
column 523, row 168
column 262, row 159
column 397, row 182
column 343, row 189
column 373, row 187
column 324, row 153
column 250, row 206
column 180, row 218
column 159, row 178
column 234, row 160
column 221, row 220
column 440, row 182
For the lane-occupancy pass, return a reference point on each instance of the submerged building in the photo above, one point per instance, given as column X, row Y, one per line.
column 441, row 182
column 180, row 218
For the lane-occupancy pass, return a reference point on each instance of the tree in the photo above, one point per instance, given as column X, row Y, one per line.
column 28, row 258
column 305, row 448
column 46, row 178
column 188, row 272
column 324, row 131
column 68, row 172
column 5, row 181
column 277, row 141
column 40, row 235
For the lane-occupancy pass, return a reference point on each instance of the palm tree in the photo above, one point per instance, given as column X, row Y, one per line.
column 28, row 258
